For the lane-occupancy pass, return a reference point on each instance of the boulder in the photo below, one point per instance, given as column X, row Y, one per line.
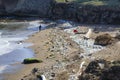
column 103, row 40
column 31, row 60
column 111, row 71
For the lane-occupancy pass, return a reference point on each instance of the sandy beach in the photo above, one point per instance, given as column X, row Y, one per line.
column 41, row 41
column 55, row 47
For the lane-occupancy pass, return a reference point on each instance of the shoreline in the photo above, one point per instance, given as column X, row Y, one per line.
column 43, row 47
column 14, row 50
column 46, row 62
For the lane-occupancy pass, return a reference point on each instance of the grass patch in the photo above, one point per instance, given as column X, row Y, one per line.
column 95, row 2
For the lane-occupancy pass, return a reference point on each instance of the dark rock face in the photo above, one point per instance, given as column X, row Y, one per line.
column 40, row 8
column 64, row 11
column 9, row 5
column 98, row 14
column 87, row 13
column 71, row 11
column 2, row 8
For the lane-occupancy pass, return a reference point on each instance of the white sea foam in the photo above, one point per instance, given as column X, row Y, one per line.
column 11, row 45
column 6, row 47
column 9, row 40
column 34, row 25
column 2, row 68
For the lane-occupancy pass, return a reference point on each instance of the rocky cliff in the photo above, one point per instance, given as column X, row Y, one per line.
column 53, row 10
column 87, row 13
column 40, row 8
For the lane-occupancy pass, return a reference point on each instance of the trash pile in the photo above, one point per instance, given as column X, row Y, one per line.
column 87, row 44
column 59, row 44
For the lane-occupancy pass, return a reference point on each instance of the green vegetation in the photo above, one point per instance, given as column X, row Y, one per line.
column 95, row 2
column 31, row 60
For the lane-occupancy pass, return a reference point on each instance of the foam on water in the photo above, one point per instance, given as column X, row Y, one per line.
column 8, row 42
column 12, row 50
column 2, row 67
column 34, row 25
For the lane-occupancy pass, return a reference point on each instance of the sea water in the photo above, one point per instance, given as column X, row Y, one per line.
column 12, row 49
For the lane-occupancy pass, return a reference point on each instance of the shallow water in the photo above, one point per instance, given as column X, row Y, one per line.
column 12, row 49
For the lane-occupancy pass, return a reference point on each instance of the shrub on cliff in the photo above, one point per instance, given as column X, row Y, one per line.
column 103, row 40
column 31, row 60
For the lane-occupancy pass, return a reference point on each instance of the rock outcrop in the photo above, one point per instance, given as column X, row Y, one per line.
column 41, row 8
column 87, row 13
column 102, row 70
column 70, row 11
column 2, row 8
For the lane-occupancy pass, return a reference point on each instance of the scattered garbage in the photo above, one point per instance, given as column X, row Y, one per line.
column 87, row 44
column 42, row 77
column 75, row 31
column 88, row 34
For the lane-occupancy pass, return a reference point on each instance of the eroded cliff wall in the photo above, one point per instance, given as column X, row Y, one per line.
column 71, row 11
column 40, row 8
column 87, row 13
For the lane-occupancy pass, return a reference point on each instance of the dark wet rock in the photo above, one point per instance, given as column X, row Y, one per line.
column 103, row 40
column 111, row 71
